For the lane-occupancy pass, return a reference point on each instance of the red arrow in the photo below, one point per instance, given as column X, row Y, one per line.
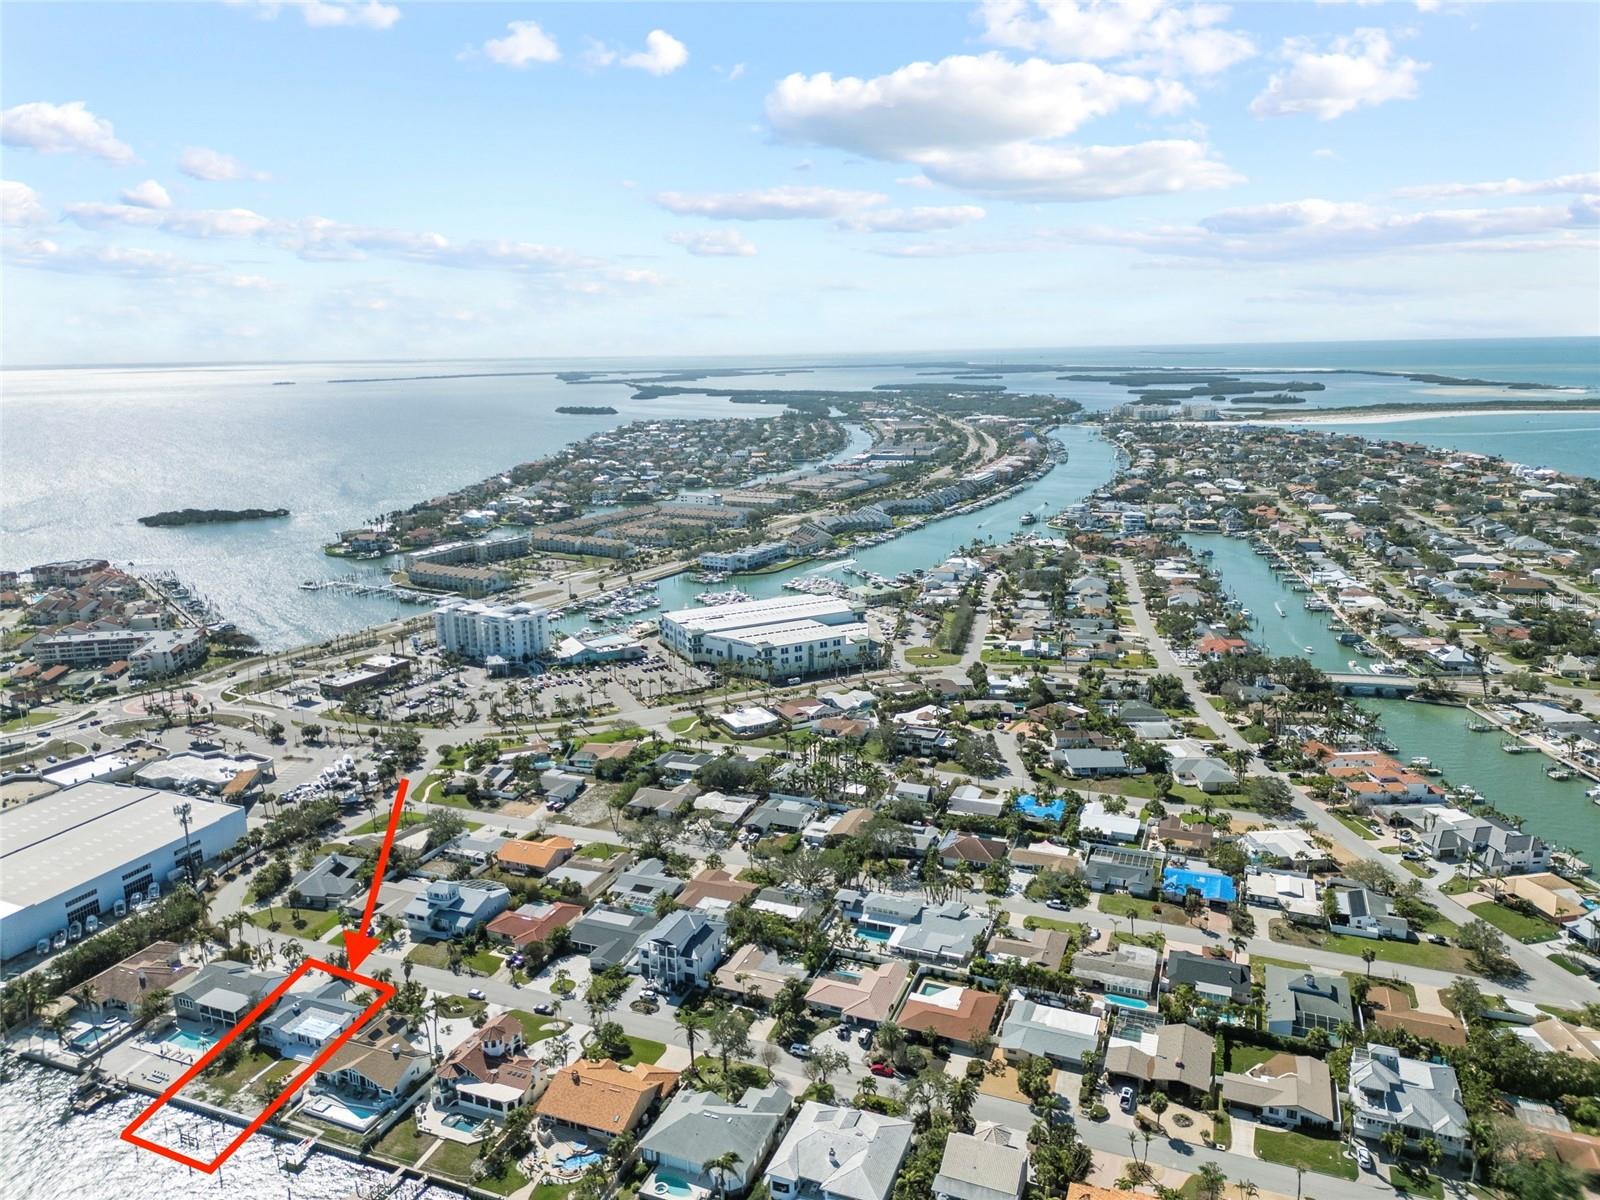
column 358, row 943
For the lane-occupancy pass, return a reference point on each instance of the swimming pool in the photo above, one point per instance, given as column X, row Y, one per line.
column 94, row 1035
column 668, row 1185
column 457, row 1121
column 580, row 1162
column 188, row 1039
column 874, row 935
column 1127, row 1001
column 930, row 987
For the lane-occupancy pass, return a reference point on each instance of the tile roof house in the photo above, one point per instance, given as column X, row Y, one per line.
column 329, row 882
column 860, row 992
column 957, row 848
column 124, row 985
column 535, row 857
column 1045, row 948
column 378, row 1066
column 1299, row 1001
column 1175, row 1056
column 1287, row 1089
column 990, row 1163
column 1391, row 1009
column 751, row 970
column 945, row 1011
column 535, row 922
column 1062, row 1035
column 602, row 1098
column 491, row 1071
column 838, row 1153
column 697, row 1127
column 1420, row 1099
column 715, row 890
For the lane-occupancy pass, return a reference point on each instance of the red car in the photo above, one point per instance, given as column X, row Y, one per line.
column 882, row 1070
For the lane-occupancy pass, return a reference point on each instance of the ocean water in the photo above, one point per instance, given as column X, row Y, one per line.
column 87, row 451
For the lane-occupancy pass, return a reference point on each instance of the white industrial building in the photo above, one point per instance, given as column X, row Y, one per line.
column 94, row 850
column 775, row 638
column 476, row 630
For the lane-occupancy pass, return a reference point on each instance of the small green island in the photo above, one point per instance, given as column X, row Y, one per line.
column 587, row 410
column 211, row 516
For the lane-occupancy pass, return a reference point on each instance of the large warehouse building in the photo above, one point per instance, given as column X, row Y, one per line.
column 775, row 639
column 86, row 849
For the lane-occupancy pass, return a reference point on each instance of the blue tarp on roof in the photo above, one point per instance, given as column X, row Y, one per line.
column 1212, row 885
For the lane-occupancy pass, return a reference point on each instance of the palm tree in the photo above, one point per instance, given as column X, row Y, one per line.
column 719, row 1167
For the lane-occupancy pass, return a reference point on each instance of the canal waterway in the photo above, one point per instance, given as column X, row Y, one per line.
column 1513, row 783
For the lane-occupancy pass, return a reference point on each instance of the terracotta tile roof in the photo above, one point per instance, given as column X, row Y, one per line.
column 520, row 929
column 144, row 971
column 972, row 1016
column 603, row 1096
column 541, row 856
column 715, row 884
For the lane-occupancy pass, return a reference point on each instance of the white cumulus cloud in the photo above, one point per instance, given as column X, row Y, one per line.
column 1031, row 171
column 912, row 220
column 1358, row 71
column 148, row 194
column 62, row 129
column 1151, row 35
column 525, row 42
column 330, row 14
column 214, row 166
column 770, row 204
column 20, row 205
column 663, row 54
column 1582, row 183
column 715, row 243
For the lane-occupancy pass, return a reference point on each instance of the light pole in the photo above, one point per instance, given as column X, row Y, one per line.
column 182, row 811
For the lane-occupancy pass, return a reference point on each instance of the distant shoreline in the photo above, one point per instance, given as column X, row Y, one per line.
column 1381, row 414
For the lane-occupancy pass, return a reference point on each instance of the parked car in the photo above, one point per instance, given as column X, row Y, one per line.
column 799, row 1049
column 1053, row 902
column 1127, row 1100
column 1364, row 1159
column 882, row 1070
column 865, row 1039
column 544, row 1010
column 476, row 994
column 844, row 1033
column 1438, row 939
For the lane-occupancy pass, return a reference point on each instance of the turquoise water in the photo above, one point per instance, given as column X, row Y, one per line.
column 89, row 450
column 578, row 1162
column 457, row 1121
column 1126, row 1001
column 188, row 1039
column 670, row 1185
column 931, row 988
column 1513, row 783
column 874, row 935
column 1566, row 441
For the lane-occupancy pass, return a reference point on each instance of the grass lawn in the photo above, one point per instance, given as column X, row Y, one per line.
column 1325, row 1156
column 513, row 1180
column 927, row 656
column 1514, row 924
column 551, row 1191
column 37, row 716
column 402, row 1144
column 1241, row 1057
column 1414, row 954
column 454, row 1159
column 1076, row 928
column 682, row 724
column 1458, row 885
column 1406, row 1184
column 601, row 850
column 536, row 1028
column 315, row 924
column 1143, row 910
column 1356, row 826
column 643, row 1050
column 1566, row 964
column 252, row 1064
column 1417, row 869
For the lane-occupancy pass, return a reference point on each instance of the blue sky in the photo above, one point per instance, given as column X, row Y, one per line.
column 331, row 179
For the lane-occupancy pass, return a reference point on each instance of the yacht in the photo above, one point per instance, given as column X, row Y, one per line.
column 1594, row 793
column 1279, row 609
column 1480, row 727
column 1559, row 773
column 1512, row 746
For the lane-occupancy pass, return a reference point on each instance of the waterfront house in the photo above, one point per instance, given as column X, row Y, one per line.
column 602, row 1099
column 990, row 1163
column 490, row 1073
column 697, row 1127
column 682, row 951
column 376, row 1068
column 448, row 909
column 123, row 986
column 303, row 1022
column 221, row 993
column 833, row 1153
column 1292, row 1090
column 1389, row 1091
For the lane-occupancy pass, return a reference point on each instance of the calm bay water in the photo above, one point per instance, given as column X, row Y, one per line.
column 87, row 451
column 1513, row 783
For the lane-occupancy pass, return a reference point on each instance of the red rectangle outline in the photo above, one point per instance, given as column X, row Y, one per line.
column 386, row 992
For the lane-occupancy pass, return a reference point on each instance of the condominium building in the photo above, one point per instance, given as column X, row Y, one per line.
column 782, row 636
column 151, row 652
column 475, row 630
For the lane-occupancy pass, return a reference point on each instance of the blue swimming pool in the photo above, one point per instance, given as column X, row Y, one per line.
column 874, row 935
column 580, row 1162
column 669, row 1185
column 188, row 1039
column 457, row 1121
column 1127, row 1002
